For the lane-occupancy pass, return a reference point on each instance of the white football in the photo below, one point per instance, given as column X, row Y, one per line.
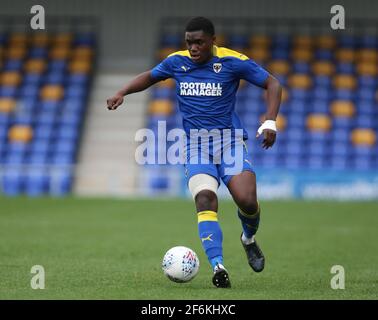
column 180, row 264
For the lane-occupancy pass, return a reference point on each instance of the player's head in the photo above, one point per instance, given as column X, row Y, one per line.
column 199, row 39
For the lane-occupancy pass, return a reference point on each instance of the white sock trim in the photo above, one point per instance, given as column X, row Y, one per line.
column 248, row 240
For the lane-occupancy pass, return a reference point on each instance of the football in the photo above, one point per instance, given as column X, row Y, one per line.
column 180, row 264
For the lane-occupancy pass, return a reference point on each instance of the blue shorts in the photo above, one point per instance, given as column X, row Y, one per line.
column 222, row 161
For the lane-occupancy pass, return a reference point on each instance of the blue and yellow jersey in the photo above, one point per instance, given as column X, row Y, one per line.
column 207, row 92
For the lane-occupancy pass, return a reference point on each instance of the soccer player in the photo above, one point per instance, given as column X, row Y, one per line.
column 207, row 78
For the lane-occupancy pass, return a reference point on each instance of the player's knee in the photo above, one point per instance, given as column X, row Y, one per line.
column 248, row 203
column 206, row 200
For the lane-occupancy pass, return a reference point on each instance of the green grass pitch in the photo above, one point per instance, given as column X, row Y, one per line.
column 112, row 249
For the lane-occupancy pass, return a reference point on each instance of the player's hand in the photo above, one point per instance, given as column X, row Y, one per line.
column 268, row 129
column 269, row 138
column 114, row 102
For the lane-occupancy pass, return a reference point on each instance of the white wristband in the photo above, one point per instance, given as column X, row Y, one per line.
column 268, row 124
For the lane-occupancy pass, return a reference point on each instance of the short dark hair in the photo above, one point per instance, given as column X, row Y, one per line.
column 200, row 24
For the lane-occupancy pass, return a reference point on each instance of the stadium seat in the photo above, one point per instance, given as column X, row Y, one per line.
column 328, row 42
column 52, row 92
column 340, row 108
column 300, row 81
column 318, row 122
column 363, row 137
column 164, row 107
column 323, row 68
column 20, row 133
column 7, row 104
column 344, row 81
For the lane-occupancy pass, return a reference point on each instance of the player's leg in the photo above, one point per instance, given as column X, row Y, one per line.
column 243, row 190
column 242, row 186
column 203, row 188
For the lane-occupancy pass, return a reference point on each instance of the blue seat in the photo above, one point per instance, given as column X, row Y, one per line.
column 23, row 118
column 323, row 54
column 296, row 120
column 366, row 93
column 3, row 38
column 159, row 183
column 364, row 151
column 280, row 54
column 341, row 134
column 13, row 65
column 85, row 39
column 301, row 67
column 298, row 107
column 281, row 41
column 14, row 158
column 13, row 181
column 343, row 122
column 46, row 118
column 5, row 119
column 270, row 161
column 162, row 93
column 324, row 81
column 347, row 41
column 295, row 134
column 294, row 149
column 70, row 119
column 62, row 158
column 294, row 161
column 44, row 132
column 60, row 182
column 321, row 93
column 341, row 149
column 76, row 91
column 37, row 159
column 29, row 91
column 32, row 79
column 57, row 66
column 36, row 182
column 344, row 67
column 317, row 162
column 253, row 92
column 17, row 148
column 366, row 121
column 368, row 41
column 366, row 107
column 343, row 94
column 67, row 133
column 317, row 149
column 171, row 40
column 319, row 106
column 367, row 82
column 40, row 146
column 78, row 79
column 299, row 94
column 65, row 146
column 8, row 91
column 238, row 40
column 339, row 162
column 318, row 136
column 54, row 78
column 362, row 163
column 38, row 52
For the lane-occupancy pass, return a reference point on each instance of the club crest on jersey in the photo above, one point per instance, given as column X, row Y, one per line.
column 217, row 67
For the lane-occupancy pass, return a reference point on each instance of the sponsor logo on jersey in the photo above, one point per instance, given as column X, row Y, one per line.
column 200, row 89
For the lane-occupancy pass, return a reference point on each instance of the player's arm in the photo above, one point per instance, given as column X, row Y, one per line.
column 139, row 83
column 249, row 70
column 268, row 128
